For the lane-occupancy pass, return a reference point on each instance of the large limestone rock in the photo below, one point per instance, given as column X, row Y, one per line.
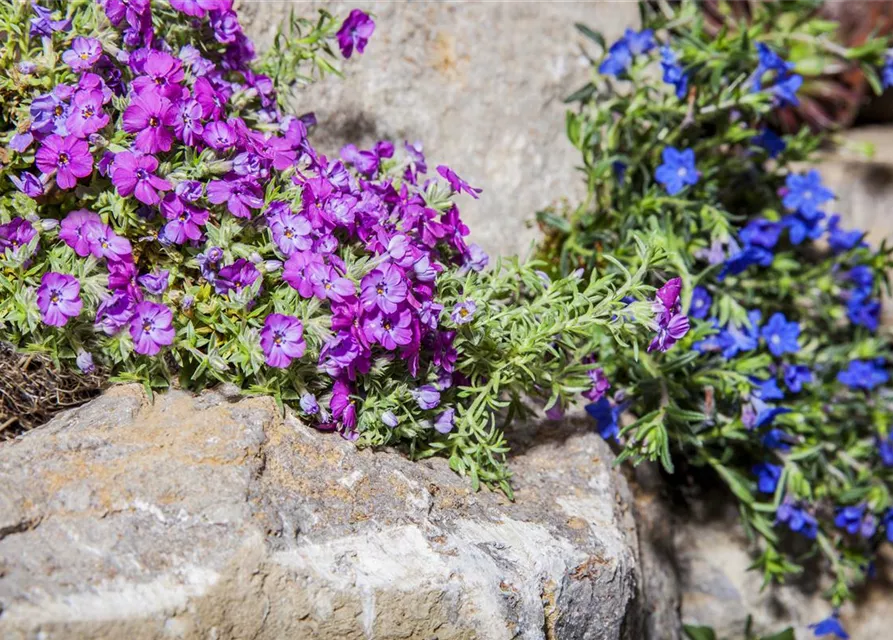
column 480, row 84
column 208, row 517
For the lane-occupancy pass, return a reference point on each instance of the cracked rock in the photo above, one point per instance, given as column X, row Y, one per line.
column 205, row 517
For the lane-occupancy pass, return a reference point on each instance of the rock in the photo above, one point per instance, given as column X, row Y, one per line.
column 713, row 555
column 203, row 517
column 480, row 84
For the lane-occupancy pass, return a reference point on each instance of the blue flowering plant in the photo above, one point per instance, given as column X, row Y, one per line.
column 164, row 220
column 780, row 386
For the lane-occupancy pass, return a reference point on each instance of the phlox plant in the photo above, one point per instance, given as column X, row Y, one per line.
column 781, row 386
column 164, row 220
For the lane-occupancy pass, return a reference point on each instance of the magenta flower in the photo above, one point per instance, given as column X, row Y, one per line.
column 83, row 54
column 72, row 230
column 185, row 220
column 240, row 196
column 296, row 269
column 198, row 8
column 344, row 408
column 282, row 340
column 390, row 330
column 29, row 184
column 328, row 283
column 240, row 275
column 600, row 385
column 58, row 298
column 152, row 118
column 188, row 125
column 456, row 183
column 383, row 288
column 69, row 157
column 355, row 33
column 672, row 325
column 219, row 135
column 162, row 74
column 133, row 174
column 15, row 234
column 105, row 243
column 86, row 115
column 151, row 328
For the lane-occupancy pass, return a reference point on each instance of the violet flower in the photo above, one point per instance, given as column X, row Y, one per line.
column 282, row 340
column 463, row 312
column 355, row 33
column 456, row 183
column 69, row 157
column 58, row 298
column 134, row 174
column 83, row 54
column 155, row 283
column 152, row 118
column 151, row 328
column 383, row 288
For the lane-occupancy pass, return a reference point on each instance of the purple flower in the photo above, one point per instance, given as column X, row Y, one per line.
column 673, row 71
column 344, row 408
column 152, row 118
column 781, row 336
column 295, row 272
column 134, row 174
column 240, row 196
column 155, row 283
column 795, row 376
column 444, row 422
column 805, row 194
column 678, row 170
column 477, row 259
column 84, row 362
column 240, row 275
column 185, row 220
column 355, row 33
column 309, row 404
column 151, row 328
column 389, row 419
column 226, row 26
column 69, row 157
column 282, row 340
column 162, row 74
column 456, row 183
column 854, row 520
column 72, row 230
column 219, row 135
column 15, row 234
column 427, row 397
column 114, row 313
column 328, row 283
column 58, row 298
column 188, row 124
column 606, row 417
column 797, row 519
column 383, row 288
column 83, row 54
column 672, row 325
column 105, row 243
column 29, row 184
column 291, row 232
column 463, row 312
column 43, row 25
column 48, row 114
column 390, row 330
column 600, row 385
column 86, row 115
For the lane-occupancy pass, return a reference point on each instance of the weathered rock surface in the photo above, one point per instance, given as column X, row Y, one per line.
column 203, row 517
column 480, row 84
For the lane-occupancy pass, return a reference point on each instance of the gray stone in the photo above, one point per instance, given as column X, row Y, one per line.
column 480, row 84
column 207, row 517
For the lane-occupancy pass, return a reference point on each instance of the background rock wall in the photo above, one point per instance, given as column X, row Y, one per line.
column 480, row 84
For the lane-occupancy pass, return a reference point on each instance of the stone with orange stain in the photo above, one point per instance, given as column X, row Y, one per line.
column 214, row 516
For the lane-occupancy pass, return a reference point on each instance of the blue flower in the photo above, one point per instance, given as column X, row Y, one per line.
column 785, row 90
column 678, row 170
column 619, row 171
column 806, row 194
column 797, row 519
column 735, row 339
column 761, row 233
column 606, row 418
column 887, row 73
column 622, row 52
column 863, row 311
column 618, row 60
column 828, row 626
column 770, row 141
column 759, row 414
column 767, row 476
column 781, row 336
column 863, row 277
column 777, row 439
column 795, row 376
column 841, row 240
column 768, row 390
column 888, row 524
column 700, row 303
column 768, row 61
column 748, row 256
column 885, row 450
column 799, row 229
column 864, row 374
column 854, row 520
column 673, row 72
